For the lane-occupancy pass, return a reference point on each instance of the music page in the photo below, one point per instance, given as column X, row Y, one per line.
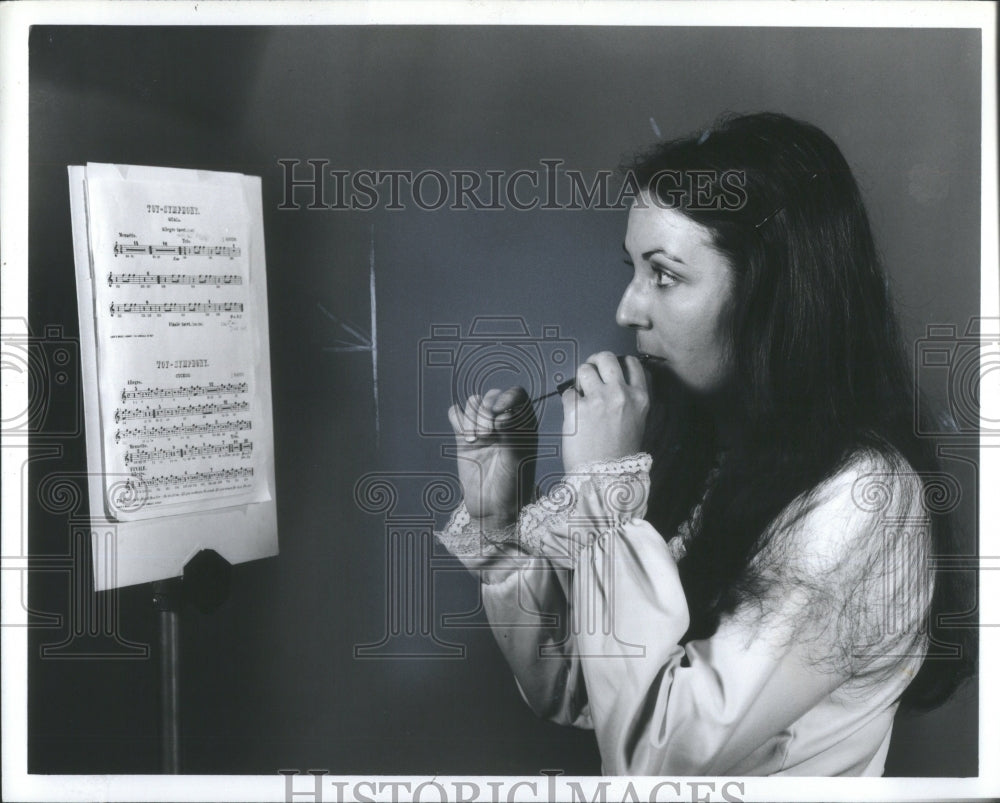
column 176, row 351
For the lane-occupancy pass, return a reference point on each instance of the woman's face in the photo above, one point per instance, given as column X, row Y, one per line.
column 679, row 296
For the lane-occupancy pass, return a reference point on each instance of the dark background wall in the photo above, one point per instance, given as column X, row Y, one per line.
column 270, row 680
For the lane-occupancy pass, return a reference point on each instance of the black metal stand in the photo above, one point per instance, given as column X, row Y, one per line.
column 205, row 585
column 166, row 602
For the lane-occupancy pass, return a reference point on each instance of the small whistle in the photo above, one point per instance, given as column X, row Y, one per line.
column 566, row 384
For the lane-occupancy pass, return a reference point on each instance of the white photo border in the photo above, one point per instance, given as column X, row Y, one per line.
column 16, row 20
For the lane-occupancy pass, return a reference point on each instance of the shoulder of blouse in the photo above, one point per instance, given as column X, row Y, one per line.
column 846, row 565
column 860, row 510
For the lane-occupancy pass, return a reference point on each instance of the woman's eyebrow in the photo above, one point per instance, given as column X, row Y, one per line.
column 671, row 257
column 648, row 254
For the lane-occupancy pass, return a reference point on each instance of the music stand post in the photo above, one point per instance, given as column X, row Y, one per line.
column 166, row 603
column 205, row 584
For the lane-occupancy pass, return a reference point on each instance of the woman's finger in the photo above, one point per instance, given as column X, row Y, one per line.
column 635, row 374
column 608, row 367
column 511, row 400
column 492, row 410
column 587, row 379
column 513, row 411
column 482, row 418
column 469, row 417
column 569, row 397
column 490, row 400
column 459, row 423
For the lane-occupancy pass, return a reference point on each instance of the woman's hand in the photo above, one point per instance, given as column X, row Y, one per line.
column 497, row 437
column 604, row 416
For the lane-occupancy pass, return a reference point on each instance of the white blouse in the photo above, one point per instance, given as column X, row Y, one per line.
column 585, row 601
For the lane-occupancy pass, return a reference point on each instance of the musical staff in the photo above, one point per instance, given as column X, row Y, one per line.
column 131, row 249
column 210, row 389
column 192, row 279
column 150, row 433
column 208, row 306
column 220, row 475
column 147, row 412
column 243, row 449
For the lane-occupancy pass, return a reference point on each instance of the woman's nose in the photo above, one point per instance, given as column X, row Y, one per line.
column 630, row 310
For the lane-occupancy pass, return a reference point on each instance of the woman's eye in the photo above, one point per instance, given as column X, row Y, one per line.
column 661, row 276
column 664, row 278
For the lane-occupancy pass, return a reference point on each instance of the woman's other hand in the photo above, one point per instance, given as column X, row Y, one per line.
column 604, row 416
column 496, row 436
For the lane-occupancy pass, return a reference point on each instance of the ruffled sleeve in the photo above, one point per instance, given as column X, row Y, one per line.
column 526, row 572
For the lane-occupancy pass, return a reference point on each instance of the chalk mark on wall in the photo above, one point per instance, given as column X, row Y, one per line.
column 356, row 340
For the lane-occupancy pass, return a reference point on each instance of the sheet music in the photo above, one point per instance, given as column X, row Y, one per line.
column 178, row 405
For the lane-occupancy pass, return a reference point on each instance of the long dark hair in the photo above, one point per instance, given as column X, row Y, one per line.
column 819, row 370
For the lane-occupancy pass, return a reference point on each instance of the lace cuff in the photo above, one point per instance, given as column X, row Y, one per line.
column 594, row 500
column 462, row 538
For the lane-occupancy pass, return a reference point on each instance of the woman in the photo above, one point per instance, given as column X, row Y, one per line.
column 737, row 559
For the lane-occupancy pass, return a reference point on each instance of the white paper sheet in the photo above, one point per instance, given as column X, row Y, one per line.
column 179, row 406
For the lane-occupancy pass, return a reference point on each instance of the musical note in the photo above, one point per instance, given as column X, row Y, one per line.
column 146, row 308
column 127, row 249
column 226, row 474
column 185, row 390
column 243, row 449
column 122, row 415
column 214, row 428
column 191, row 279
